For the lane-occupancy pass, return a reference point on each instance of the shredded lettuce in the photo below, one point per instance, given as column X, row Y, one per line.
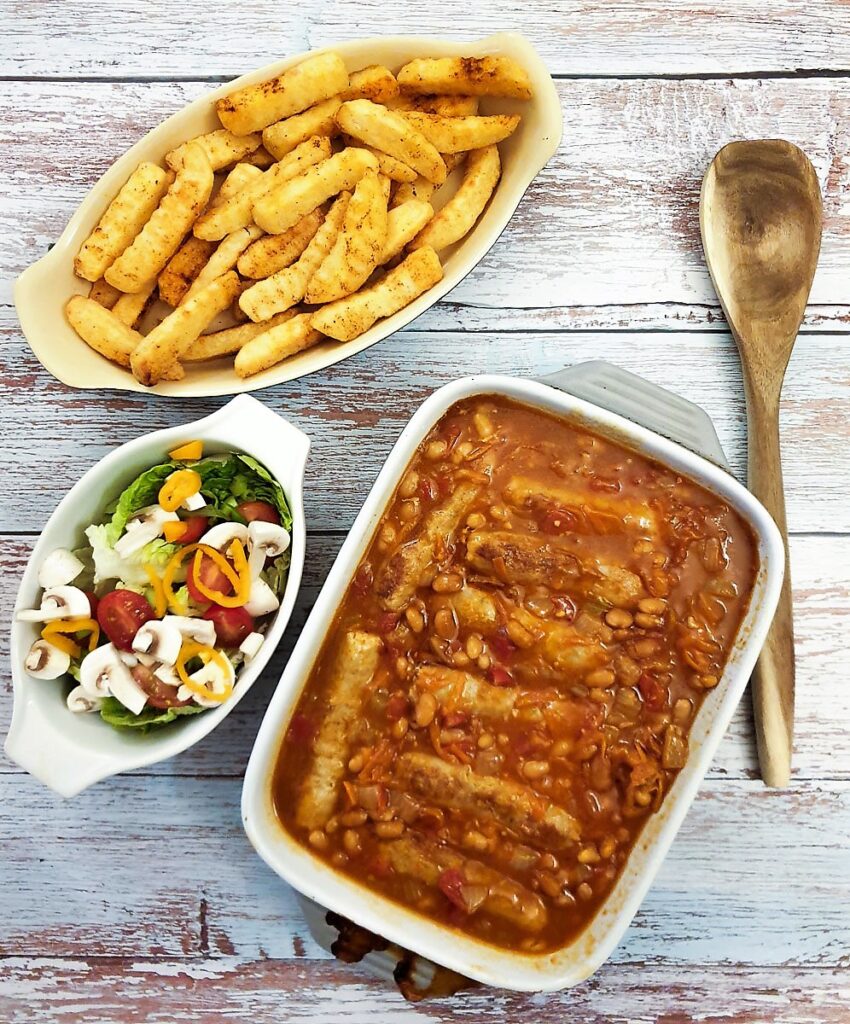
column 109, row 565
column 227, row 481
column 114, row 713
column 275, row 573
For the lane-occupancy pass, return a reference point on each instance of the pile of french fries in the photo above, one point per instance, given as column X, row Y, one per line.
column 322, row 224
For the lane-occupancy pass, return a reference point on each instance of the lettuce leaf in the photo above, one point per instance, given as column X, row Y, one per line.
column 109, row 565
column 143, row 491
column 114, row 713
column 228, row 481
column 275, row 573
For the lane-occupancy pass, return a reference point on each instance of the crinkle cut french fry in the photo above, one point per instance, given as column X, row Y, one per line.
column 282, row 137
column 224, row 343
column 160, row 238
column 236, row 211
column 421, row 189
column 221, row 146
column 350, row 317
column 404, row 223
column 461, row 212
column 391, row 133
column 283, row 289
column 131, row 305
column 101, row 329
column 224, row 258
column 466, row 76
column 274, row 252
column 357, row 247
column 286, row 204
column 275, row 345
column 394, row 169
column 260, row 158
column 448, row 106
column 240, row 177
column 375, row 83
column 103, row 292
column 255, row 106
column 122, row 220
column 167, row 342
column 182, row 269
column 459, row 134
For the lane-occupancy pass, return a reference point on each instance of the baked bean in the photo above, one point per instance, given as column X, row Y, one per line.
column 652, row 605
column 436, row 450
column 352, row 819
column 447, row 583
column 356, row 763
column 426, row 708
column 648, row 621
column 318, row 839
column 548, row 862
column 600, row 677
column 474, row 646
column 588, row 855
column 483, row 662
column 708, row 682
column 389, row 829
column 351, row 842
column 535, row 769
column 331, row 825
column 399, row 728
column 402, row 667
column 449, row 736
column 475, row 520
column 499, row 512
column 409, row 510
column 475, row 840
column 388, row 534
column 486, row 740
column 415, row 618
column 561, row 748
column 682, row 711
column 483, row 425
column 408, row 486
column 645, row 648
column 519, row 634
column 549, row 885
column 461, row 452
column 584, row 891
column 618, row 618
column 460, row 659
column 339, row 859
column 445, row 623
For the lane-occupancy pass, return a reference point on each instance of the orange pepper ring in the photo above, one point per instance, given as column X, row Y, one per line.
column 191, row 649
column 77, row 625
column 174, row 564
column 238, row 576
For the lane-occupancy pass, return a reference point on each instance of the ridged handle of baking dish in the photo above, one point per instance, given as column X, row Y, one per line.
column 646, row 404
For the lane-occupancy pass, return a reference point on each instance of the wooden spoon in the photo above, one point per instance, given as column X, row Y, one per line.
column 760, row 218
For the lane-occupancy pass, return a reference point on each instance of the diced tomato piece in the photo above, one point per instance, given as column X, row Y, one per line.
column 301, row 730
column 427, row 489
column 451, row 884
column 500, row 644
column 454, row 719
column 363, row 580
column 396, row 706
column 258, row 511
column 499, row 676
column 565, row 607
column 559, row 520
column 387, row 622
column 653, row 693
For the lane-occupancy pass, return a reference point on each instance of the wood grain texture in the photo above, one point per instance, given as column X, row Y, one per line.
column 612, row 219
column 581, row 38
column 355, row 411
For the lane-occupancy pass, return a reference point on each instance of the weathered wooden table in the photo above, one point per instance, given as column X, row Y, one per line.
column 141, row 900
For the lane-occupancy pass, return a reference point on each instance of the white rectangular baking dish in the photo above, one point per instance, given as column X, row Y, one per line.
column 477, row 960
column 43, row 289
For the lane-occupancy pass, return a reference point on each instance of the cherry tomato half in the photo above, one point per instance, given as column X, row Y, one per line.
column 211, row 576
column 159, row 694
column 194, row 528
column 232, row 625
column 120, row 614
column 263, row 511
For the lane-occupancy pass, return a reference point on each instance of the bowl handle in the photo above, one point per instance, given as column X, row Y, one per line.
column 646, row 404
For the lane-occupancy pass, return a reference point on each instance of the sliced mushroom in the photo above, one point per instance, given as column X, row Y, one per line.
column 262, row 598
column 251, row 645
column 102, row 673
column 44, row 661
column 265, row 540
column 215, row 677
column 58, row 603
column 167, row 674
column 59, row 568
column 129, row 659
column 220, row 535
column 145, row 526
column 201, row 630
column 81, row 702
column 158, row 639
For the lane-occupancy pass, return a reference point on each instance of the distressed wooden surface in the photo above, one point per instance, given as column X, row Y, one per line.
column 141, row 901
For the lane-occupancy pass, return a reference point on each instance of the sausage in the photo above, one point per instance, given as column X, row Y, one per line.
column 354, row 666
column 531, row 559
column 635, row 515
column 506, row 898
column 407, row 568
column 562, row 647
column 515, row 806
column 475, row 609
column 462, row 691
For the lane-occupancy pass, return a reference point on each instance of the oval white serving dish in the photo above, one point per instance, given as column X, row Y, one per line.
column 485, row 963
column 68, row 751
column 43, row 289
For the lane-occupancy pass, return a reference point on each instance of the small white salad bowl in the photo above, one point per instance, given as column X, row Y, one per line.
column 43, row 289
column 67, row 751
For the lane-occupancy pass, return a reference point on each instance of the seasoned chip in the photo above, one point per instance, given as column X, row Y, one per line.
column 240, row 177
column 391, row 133
column 448, row 106
column 256, row 106
column 159, row 239
column 261, row 158
column 421, row 189
column 274, row 252
column 236, row 211
column 461, row 212
column 103, row 292
column 375, row 83
column 101, row 329
column 394, row 169
column 283, row 289
column 288, row 203
column 224, row 343
column 350, row 317
column 458, row 134
column 182, row 269
column 466, row 76
column 275, row 345
column 358, row 246
column 167, row 342
column 404, row 222
column 131, row 305
column 221, row 146
column 224, row 258
column 283, row 136
column 122, row 220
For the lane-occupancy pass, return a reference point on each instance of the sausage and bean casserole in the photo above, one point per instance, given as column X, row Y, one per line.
column 506, row 692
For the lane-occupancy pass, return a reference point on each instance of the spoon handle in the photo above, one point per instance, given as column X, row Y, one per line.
column 773, row 679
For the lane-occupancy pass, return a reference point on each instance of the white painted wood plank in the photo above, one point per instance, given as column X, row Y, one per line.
column 66, row 991
column 820, row 572
column 581, row 38
column 355, row 411
column 612, row 220
column 160, row 867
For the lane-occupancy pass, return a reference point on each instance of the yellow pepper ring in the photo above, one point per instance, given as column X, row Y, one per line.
column 182, row 484
column 160, row 600
column 174, row 565
column 191, row 649
column 79, row 625
column 237, row 575
column 62, row 643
